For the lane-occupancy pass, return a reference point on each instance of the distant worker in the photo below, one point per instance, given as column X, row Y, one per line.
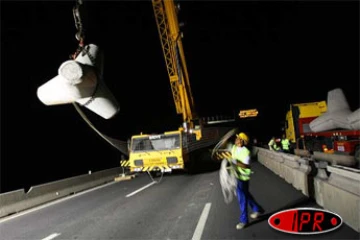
column 241, row 160
column 273, row 145
column 285, row 144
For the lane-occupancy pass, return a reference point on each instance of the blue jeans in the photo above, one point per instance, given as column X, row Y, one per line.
column 244, row 198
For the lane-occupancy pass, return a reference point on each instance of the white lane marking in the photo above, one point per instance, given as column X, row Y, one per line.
column 54, row 202
column 52, row 236
column 140, row 189
column 201, row 224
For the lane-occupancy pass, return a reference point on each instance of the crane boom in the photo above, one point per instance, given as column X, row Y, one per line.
column 168, row 27
column 171, row 150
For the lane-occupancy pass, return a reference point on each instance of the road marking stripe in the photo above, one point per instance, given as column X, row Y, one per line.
column 201, row 224
column 52, row 236
column 140, row 189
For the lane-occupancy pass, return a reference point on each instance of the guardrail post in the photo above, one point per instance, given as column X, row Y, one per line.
column 319, row 182
column 321, row 170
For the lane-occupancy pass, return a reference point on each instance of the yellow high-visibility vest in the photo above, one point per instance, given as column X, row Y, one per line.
column 285, row 144
column 243, row 173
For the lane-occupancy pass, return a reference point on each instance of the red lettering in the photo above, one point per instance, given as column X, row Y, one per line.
column 304, row 220
column 318, row 218
column 294, row 223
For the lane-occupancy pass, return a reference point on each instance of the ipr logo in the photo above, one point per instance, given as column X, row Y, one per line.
column 305, row 221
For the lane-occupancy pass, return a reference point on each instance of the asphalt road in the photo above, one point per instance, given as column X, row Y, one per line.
column 180, row 206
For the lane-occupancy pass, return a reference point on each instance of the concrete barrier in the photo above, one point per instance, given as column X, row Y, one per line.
column 290, row 167
column 335, row 188
column 340, row 193
column 16, row 201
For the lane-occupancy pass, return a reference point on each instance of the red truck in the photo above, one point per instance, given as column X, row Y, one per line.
column 328, row 127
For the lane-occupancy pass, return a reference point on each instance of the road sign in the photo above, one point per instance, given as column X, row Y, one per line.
column 248, row 113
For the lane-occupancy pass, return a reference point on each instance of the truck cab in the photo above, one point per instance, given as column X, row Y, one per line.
column 156, row 152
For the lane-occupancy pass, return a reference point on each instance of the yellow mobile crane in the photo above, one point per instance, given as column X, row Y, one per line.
column 147, row 152
column 168, row 27
column 170, row 150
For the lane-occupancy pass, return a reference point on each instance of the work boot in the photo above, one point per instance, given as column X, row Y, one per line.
column 255, row 215
column 240, row 226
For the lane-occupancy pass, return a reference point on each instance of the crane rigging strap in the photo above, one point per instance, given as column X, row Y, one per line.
column 120, row 145
column 80, row 35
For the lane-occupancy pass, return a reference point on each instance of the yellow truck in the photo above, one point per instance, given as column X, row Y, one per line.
column 171, row 150
column 299, row 117
column 156, row 152
column 333, row 140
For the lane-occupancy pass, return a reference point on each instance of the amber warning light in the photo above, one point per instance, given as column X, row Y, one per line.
column 305, row 221
column 248, row 113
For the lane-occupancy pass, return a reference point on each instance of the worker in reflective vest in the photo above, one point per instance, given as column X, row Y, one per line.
column 241, row 160
column 273, row 145
column 285, row 144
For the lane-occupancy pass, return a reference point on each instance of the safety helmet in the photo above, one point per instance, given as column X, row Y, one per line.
column 243, row 137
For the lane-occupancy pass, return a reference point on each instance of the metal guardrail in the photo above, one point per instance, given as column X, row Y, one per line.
column 19, row 200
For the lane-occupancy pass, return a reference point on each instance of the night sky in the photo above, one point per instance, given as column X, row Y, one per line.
column 240, row 55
